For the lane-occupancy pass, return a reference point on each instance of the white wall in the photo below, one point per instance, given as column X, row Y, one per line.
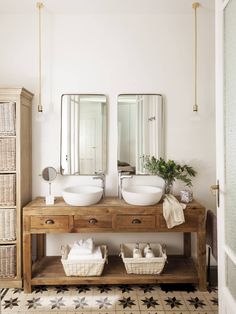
column 113, row 54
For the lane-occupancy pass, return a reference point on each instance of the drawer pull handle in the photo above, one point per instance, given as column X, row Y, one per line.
column 93, row 221
column 49, row 222
column 136, row 221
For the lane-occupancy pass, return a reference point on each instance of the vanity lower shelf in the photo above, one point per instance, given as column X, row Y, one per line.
column 179, row 269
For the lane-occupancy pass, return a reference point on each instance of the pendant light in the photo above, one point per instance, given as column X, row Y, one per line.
column 40, row 5
column 195, row 6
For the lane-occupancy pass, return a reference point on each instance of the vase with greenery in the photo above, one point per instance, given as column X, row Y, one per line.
column 169, row 171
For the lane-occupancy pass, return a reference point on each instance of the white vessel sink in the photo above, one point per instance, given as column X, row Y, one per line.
column 142, row 194
column 82, row 195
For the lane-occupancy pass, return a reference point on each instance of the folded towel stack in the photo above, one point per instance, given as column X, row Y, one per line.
column 84, row 250
column 83, row 247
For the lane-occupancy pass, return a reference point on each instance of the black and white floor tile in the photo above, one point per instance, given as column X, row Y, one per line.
column 108, row 299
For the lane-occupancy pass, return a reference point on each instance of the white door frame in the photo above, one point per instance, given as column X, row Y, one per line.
column 227, row 304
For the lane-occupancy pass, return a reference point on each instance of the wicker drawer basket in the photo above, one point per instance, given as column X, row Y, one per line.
column 7, row 189
column 7, row 224
column 83, row 268
column 7, row 261
column 7, row 118
column 7, row 154
column 143, row 265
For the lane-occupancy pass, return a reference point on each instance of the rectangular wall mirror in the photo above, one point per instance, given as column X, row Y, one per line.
column 140, row 130
column 83, row 134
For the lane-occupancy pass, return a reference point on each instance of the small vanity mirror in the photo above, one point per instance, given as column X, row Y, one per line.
column 140, row 130
column 83, row 134
column 49, row 174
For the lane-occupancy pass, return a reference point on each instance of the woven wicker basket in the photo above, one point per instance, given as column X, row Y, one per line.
column 8, row 118
column 7, row 261
column 7, row 154
column 143, row 265
column 7, row 189
column 83, row 268
column 7, row 224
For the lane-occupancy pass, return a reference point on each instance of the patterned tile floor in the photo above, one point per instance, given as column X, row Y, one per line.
column 106, row 299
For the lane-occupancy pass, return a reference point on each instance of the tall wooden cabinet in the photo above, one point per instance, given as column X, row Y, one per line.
column 15, row 179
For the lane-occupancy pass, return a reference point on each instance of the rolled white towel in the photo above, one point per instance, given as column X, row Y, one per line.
column 146, row 248
column 97, row 254
column 137, row 253
column 149, row 253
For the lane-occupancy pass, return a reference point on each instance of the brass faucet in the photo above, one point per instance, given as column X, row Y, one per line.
column 121, row 177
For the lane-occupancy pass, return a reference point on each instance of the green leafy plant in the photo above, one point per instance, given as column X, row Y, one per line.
column 169, row 171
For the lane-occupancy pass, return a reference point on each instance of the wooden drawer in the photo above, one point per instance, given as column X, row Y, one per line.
column 52, row 223
column 135, row 222
column 93, row 222
column 190, row 224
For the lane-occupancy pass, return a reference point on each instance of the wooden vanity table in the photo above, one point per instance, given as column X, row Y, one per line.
column 110, row 215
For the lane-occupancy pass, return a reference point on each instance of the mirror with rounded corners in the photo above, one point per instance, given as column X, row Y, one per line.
column 83, row 134
column 140, row 130
column 49, row 174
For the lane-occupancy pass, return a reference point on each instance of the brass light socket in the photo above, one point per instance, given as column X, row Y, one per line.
column 195, row 5
column 40, row 108
column 39, row 5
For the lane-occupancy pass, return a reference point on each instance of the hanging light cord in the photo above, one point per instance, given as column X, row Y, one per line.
column 195, row 6
column 40, row 107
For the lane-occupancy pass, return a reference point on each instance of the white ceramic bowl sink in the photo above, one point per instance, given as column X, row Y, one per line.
column 142, row 194
column 82, row 195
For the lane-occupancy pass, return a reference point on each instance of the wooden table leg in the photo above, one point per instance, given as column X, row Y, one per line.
column 201, row 256
column 187, row 244
column 40, row 246
column 27, row 263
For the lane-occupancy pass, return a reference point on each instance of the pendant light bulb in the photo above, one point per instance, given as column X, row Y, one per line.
column 40, row 5
column 40, row 108
column 195, row 108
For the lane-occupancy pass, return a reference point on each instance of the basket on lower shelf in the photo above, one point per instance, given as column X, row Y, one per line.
column 7, row 261
column 143, row 265
column 84, row 267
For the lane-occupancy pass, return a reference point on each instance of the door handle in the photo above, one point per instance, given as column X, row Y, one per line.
column 215, row 189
